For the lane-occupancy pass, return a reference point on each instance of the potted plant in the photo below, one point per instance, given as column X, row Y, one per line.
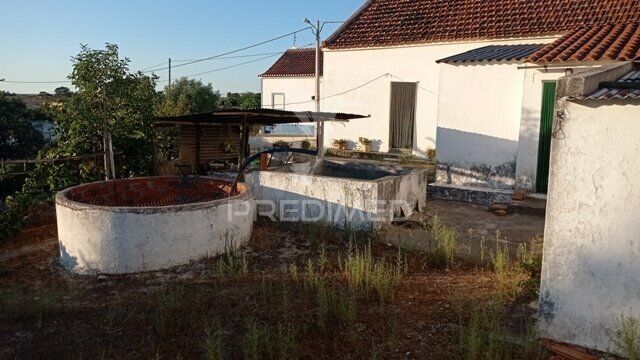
column 340, row 144
column 431, row 154
column 281, row 144
column 306, row 144
column 366, row 144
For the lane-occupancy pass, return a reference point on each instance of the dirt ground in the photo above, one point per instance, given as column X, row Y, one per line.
column 201, row 311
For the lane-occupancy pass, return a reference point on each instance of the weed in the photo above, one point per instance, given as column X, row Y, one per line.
column 214, row 347
column 293, row 271
column 286, row 342
column 323, row 302
column 444, row 253
column 530, row 264
column 363, row 272
column 233, row 262
column 15, row 303
column 168, row 302
column 626, row 338
column 253, row 341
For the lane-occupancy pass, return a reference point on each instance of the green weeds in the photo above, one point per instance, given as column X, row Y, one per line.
column 626, row 338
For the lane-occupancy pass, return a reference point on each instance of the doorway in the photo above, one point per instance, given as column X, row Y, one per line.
column 402, row 114
column 544, row 142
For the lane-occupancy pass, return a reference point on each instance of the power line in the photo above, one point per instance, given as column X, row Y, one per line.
column 234, row 51
column 226, row 67
column 36, row 82
column 359, row 87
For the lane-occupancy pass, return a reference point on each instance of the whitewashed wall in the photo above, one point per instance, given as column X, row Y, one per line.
column 591, row 272
column 479, row 123
column 350, row 74
column 527, row 163
column 296, row 90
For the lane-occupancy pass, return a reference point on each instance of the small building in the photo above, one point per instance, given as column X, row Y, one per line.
column 289, row 84
column 590, row 270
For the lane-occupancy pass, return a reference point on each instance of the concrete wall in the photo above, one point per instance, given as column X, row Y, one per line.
column 120, row 240
column 355, row 81
column 591, row 272
column 299, row 194
column 298, row 92
column 478, row 124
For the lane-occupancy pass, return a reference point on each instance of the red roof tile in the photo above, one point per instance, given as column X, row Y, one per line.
column 295, row 62
column 398, row 22
column 593, row 43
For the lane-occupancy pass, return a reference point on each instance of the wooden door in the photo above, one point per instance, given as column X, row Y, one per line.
column 403, row 113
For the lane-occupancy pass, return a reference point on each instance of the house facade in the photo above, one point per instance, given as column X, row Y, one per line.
column 489, row 116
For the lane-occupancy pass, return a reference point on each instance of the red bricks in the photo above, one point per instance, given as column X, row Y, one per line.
column 399, row 22
column 159, row 191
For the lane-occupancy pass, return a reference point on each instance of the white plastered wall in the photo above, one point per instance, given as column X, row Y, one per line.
column 591, row 272
column 479, row 123
column 298, row 92
column 356, row 81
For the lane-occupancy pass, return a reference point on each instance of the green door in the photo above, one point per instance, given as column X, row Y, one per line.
column 544, row 144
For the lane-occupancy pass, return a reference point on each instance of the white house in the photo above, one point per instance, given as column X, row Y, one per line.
column 289, row 84
column 590, row 273
column 428, row 74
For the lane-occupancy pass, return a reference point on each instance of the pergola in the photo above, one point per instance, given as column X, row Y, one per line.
column 246, row 118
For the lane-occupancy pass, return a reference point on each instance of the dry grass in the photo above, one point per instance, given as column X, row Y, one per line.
column 331, row 298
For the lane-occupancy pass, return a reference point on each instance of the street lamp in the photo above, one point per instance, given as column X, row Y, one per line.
column 317, row 31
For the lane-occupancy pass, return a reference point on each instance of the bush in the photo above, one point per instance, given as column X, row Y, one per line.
column 306, row 144
column 281, row 144
column 340, row 144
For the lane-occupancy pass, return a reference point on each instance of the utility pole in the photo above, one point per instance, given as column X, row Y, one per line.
column 169, row 72
column 317, row 31
column 320, row 124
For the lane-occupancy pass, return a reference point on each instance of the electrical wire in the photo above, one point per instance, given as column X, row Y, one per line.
column 233, row 51
column 35, row 82
column 224, row 68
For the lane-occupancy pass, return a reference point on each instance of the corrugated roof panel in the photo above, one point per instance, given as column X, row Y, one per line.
column 627, row 90
column 493, row 53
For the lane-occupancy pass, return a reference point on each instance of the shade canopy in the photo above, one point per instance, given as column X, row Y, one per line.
column 256, row 117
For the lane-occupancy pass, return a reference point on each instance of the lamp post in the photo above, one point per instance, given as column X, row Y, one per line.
column 317, row 31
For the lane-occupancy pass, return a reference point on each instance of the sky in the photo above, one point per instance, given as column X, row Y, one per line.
column 38, row 38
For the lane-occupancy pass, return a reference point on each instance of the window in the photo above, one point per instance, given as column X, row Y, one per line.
column 277, row 101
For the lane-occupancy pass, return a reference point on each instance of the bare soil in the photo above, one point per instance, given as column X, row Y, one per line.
column 48, row 313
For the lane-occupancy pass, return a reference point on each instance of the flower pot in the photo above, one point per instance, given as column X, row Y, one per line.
column 366, row 147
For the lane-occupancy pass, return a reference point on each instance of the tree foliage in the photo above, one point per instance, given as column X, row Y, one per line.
column 187, row 96
column 245, row 100
column 108, row 98
column 62, row 91
column 18, row 138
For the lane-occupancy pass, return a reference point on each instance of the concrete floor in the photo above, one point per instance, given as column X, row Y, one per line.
column 474, row 226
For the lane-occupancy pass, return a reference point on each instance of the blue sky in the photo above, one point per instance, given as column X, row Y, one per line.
column 38, row 38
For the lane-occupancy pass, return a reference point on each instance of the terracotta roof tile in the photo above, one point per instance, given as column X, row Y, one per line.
column 295, row 62
column 399, row 22
column 611, row 42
